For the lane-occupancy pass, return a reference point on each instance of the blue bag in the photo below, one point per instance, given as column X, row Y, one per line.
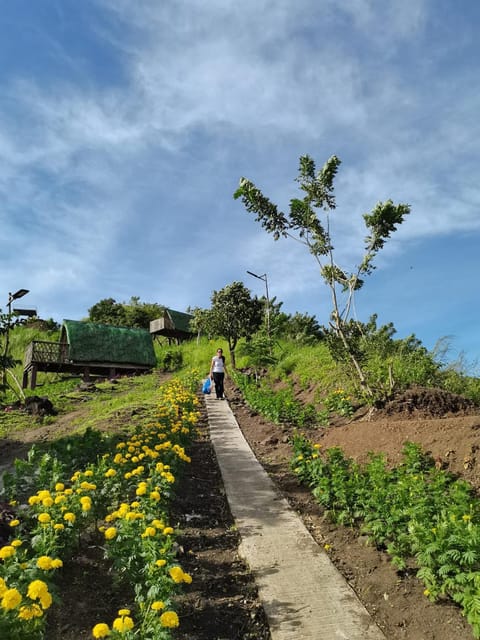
column 207, row 386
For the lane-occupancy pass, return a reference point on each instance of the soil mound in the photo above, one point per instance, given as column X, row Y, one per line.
column 420, row 402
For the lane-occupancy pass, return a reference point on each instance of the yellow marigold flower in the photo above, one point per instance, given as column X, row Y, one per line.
column 155, row 495
column 44, row 518
column 86, row 503
column 88, row 486
column 33, row 500
column 11, row 599
column 158, row 605
column 14, row 523
column 3, row 586
column 124, row 612
column 327, row 547
column 158, row 524
column 168, row 531
column 149, row 532
column 47, row 502
column 110, row 533
column 141, row 490
column 68, row 492
column 59, row 526
column 101, row 630
column 187, row 578
column 161, row 562
column 125, row 623
column 59, row 486
column 16, row 543
column 426, row 592
column 176, row 573
column 30, row 611
column 46, row 600
column 7, row 552
column 44, row 563
column 135, row 504
column 465, row 518
column 69, row 517
column 60, row 498
column 88, row 473
column 169, row 619
column 57, row 563
column 110, row 473
column 36, row 589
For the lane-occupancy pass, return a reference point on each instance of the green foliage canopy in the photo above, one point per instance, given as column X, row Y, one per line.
column 234, row 314
column 134, row 314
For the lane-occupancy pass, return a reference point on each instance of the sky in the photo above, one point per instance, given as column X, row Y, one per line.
column 125, row 128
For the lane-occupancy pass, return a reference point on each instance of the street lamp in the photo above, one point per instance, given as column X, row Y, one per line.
column 11, row 297
column 15, row 296
column 264, row 278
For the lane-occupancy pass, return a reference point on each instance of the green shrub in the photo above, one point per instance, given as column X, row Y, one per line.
column 413, row 511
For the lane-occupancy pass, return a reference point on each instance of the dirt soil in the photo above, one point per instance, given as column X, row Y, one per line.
column 222, row 601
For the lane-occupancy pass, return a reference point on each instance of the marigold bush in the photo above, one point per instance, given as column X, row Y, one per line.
column 125, row 494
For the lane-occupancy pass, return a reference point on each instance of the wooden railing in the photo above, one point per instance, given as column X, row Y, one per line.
column 42, row 351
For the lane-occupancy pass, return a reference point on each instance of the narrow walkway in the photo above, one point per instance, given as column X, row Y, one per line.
column 303, row 594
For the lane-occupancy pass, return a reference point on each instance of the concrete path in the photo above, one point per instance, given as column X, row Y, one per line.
column 303, row 594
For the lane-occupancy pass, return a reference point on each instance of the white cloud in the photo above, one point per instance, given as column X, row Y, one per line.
column 129, row 183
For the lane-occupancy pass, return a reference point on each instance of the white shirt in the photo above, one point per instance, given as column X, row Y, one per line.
column 218, row 364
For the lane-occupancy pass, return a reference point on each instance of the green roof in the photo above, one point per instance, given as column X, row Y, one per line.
column 92, row 342
column 181, row 321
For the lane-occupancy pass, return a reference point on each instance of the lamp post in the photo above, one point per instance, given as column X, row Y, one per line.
column 11, row 297
column 267, row 310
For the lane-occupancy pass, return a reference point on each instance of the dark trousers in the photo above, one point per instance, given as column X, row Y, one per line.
column 218, row 380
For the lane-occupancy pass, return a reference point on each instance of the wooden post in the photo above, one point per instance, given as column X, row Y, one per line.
column 33, row 379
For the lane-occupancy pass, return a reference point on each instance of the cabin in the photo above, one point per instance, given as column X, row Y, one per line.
column 90, row 349
column 174, row 326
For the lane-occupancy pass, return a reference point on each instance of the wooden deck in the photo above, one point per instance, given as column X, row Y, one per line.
column 54, row 357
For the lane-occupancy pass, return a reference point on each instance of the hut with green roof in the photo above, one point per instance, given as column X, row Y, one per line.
column 174, row 326
column 91, row 349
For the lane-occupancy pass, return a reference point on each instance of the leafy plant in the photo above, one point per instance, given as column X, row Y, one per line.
column 414, row 511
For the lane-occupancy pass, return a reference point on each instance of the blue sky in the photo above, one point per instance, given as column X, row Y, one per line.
column 126, row 126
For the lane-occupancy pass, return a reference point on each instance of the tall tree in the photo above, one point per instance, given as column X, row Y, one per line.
column 108, row 311
column 302, row 223
column 235, row 314
column 125, row 314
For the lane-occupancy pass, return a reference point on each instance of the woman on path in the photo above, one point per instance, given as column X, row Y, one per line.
column 217, row 373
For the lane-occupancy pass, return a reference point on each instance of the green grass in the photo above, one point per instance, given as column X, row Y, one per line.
column 127, row 396
column 310, row 368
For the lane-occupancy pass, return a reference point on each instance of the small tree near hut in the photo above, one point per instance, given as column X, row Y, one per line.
column 303, row 223
column 234, row 314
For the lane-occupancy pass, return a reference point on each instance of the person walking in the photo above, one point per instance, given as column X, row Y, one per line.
column 217, row 373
